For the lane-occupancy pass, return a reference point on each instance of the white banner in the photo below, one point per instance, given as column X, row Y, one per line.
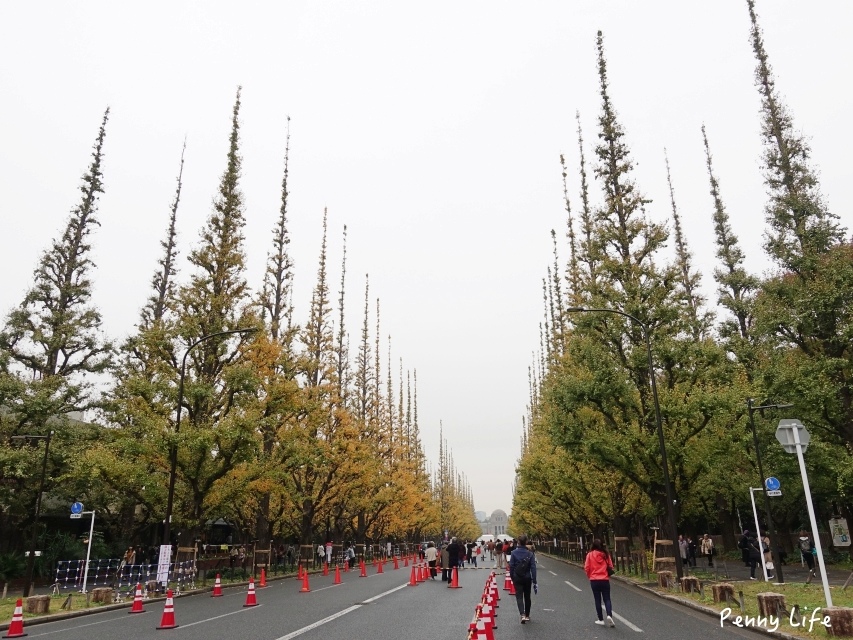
column 163, row 563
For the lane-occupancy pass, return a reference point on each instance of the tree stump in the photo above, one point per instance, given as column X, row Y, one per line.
column 841, row 621
column 723, row 592
column 769, row 604
column 102, row 594
column 664, row 579
column 689, row 584
column 38, row 604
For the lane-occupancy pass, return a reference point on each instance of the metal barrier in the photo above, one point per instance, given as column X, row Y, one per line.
column 109, row 572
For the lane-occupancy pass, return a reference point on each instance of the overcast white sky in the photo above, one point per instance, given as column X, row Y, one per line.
column 433, row 133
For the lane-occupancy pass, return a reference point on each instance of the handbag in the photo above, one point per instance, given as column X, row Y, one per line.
column 610, row 571
column 770, row 566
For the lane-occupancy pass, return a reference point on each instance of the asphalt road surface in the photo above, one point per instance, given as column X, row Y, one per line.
column 384, row 607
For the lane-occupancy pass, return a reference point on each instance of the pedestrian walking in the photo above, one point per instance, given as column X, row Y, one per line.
column 321, row 554
column 329, row 549
column 522, row 572
column 754, row 554
column 431, row 555
column 807, row 549
column 743, row 545
column 682, row 550
column 707, row 549
column 445, row 564
column 454, row 550
column 768, row 555
column 691, row 551
column 598, row 568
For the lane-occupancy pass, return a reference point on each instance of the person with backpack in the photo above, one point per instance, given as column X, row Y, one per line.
column 754, row 554
column 807, row 549
column 598, row 568
column 522, row 572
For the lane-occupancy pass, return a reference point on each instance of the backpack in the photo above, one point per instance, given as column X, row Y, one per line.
column 805, row 545
column 521, row 571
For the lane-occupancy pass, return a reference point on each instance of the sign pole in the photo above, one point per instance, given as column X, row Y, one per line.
column 88, row 549
column 752, row 491
column 799, row 445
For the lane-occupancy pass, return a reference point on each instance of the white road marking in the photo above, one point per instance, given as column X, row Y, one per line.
column 331, row 586
column 572, row 586
column 552, row 573
column 190, row 624
column 628, row 624
column 337, row 615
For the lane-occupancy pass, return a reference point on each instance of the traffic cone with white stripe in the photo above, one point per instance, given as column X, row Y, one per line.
column 168, row 619
column 251, row 601
column 507, row 582
column 217, row 587
column 454, row 582
column 137, row 600
column 16, row 628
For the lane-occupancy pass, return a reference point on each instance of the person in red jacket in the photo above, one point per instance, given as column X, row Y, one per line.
column 596, row 567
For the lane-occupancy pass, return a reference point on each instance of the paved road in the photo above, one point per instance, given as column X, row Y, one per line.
column 383, row 607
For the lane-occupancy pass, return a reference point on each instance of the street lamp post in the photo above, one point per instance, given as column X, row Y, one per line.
column 31, row 559
column 774, row 541
column 670, row 497
column 173, row 453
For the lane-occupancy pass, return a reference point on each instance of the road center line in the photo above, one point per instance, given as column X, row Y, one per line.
column 572, row 586
column 551, row 572
column 190, row 624
column 337, row 615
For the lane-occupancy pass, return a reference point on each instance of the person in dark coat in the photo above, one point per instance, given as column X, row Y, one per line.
column 454, row 550
column 754, row 551
column 743, row 545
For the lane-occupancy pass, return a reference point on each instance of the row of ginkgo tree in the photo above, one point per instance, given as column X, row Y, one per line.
column 591, row 458
column 281, row 433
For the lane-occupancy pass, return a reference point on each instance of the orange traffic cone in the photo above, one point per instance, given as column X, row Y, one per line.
column 137, row 600
column 363, row 573
column 263, row 581
column 337, row 575
column 396, row 565
column 16, row 628
column 250, row 596
column 168, row 619
column 217, row 587
column 406, row 561
column 413, row 580
column 379, row 567
column 325, row 568
column 507, row 581
column 511, row 588
column 305, row 586
column 299, row 572
column 454, row 581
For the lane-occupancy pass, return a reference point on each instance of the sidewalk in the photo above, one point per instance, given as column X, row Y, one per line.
column 791, row 572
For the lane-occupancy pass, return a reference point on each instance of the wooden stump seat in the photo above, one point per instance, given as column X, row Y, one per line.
column 769, row 604
column 841, row 621
column 664, row 579
column 690, row 584
column 38, row 604
column 723, row 592
column 102, row 594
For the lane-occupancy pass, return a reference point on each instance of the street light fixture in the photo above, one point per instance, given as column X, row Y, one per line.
column 774, row 541
column 31, row 559
column 173, row 454
column 670, row 498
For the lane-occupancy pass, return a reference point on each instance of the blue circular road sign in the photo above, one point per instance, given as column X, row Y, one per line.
column 77, row 507
column 772, row 484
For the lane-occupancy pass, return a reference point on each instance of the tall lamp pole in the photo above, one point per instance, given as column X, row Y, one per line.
column 774, row 541
column 670, row 497
column 31, row 559
column 173, row 453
